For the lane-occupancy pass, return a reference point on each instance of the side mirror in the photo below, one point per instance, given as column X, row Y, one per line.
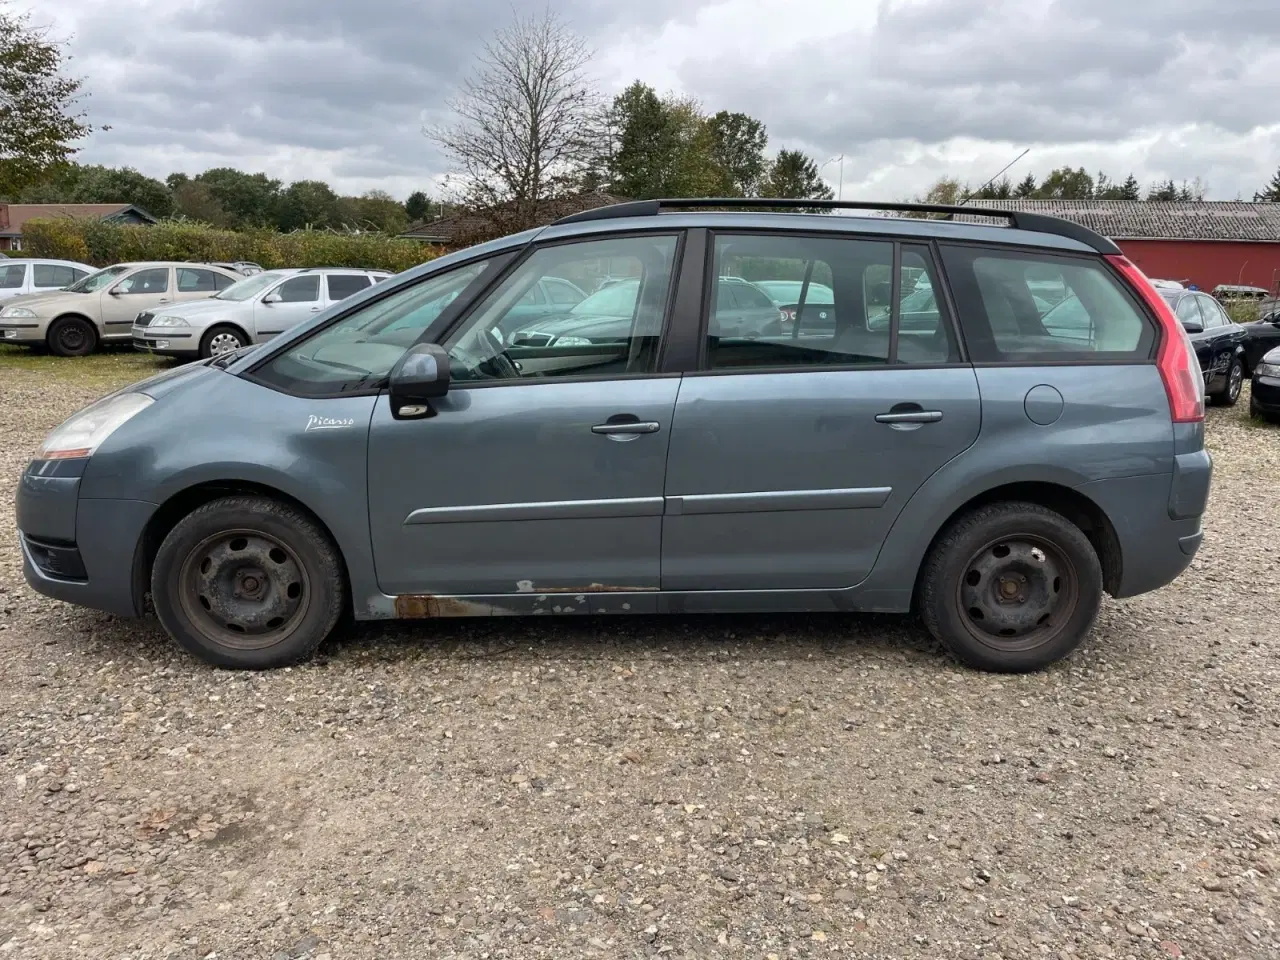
column 1192, row 327
column 421, row 375
column 272, row 297
column 115, row 291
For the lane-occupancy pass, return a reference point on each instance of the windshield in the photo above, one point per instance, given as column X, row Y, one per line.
column 615, row 300
column 248, row 287
column 96, row 281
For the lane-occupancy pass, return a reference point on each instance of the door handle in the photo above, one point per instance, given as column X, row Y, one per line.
column 315, row 309
column 629, row 428
column 910, row 416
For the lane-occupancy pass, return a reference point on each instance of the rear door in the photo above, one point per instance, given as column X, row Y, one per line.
column 195, row 283
column 339, row 286
column 143, row 289
column 13, row 280
column 793, row 453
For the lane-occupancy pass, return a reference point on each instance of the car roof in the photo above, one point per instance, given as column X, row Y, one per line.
column 133, row 264
column 53, row 260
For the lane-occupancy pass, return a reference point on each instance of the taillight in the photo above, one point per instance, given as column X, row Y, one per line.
column 1176, row 360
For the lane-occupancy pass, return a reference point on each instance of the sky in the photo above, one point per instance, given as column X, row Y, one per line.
column 905, row 90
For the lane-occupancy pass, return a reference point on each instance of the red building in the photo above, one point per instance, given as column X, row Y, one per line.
column 1206, row 243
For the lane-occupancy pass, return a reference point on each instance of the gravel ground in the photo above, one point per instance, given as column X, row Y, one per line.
column 733, row 787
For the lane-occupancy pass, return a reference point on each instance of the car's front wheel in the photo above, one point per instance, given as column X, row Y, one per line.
column 72, row 337
column 248, row 583
column 1011, row 587
column 220, row 340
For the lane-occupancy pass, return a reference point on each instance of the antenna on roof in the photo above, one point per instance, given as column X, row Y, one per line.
column 995, row 178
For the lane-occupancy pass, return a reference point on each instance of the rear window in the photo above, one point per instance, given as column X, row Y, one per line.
column 1026, row 307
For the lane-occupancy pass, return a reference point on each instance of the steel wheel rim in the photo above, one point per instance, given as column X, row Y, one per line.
column 1235, row 381
column 72, row 336
column 223, row 343
column 1017, row 593
column 244, row 589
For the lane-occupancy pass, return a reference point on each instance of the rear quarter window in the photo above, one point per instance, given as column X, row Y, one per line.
column 1006, row 316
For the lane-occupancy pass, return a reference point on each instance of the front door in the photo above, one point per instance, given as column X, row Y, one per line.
column 293, row 301
column 143, row 289
column 792, row 455
column 541, row 471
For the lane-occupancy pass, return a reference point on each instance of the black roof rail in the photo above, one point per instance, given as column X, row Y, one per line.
column 1018, row 220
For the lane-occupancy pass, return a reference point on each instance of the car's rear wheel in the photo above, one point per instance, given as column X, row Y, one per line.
column 72, row 337
column 1230, row 392
column 1011, row 587
column 248, row 583
column 220, row 340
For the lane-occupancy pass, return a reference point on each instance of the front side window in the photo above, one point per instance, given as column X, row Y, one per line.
column 794, row 301
column 97, row 281
column 300, row 289
column 11, row 276
column 1027, row 307
column 52, row 275
column 564, row 292
column 612, row 333
column 1189, row 311
column 151, row 280
column 358, row 351
column 1214, row 315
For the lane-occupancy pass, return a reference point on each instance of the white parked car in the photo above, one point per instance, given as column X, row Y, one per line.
column 255, row 309
column 19, row 277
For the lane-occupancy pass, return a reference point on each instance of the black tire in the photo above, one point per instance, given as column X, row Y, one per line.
column 219, row 339
column 1229, row 395
column 72, row 337
column 1045, row 561
column 248, row 583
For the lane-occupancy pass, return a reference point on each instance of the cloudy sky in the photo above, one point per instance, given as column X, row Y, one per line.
column 906, row 90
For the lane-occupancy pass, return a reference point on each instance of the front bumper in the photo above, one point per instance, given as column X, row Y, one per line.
column 83, row 551
column 167, row 341
column 21, row 331
column 1264, row 394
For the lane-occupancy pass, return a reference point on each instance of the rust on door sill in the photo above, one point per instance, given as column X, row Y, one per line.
column 410, row 606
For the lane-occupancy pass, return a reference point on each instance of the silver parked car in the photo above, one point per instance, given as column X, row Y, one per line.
column 100, row 308
column 392, row 457
column 255, row 309
column 19, row 277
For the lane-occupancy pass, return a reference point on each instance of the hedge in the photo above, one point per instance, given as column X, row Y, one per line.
column 101, row 244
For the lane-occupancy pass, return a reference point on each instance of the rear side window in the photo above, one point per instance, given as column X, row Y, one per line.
column 191, row 280
column 11, row 276
column 343, row 285
column 1026, row 307
column 53, row 275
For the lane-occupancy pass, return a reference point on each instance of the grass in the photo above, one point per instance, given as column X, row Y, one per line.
column 111, row 368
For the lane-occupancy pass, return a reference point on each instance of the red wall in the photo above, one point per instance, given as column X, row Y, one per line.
column 1207, row 264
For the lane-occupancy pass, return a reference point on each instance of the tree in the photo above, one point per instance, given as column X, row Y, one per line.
column 1027, row 187
column 524, row 117
column 306, row 203
column 1002, row 189
column 417, row 206
column 945, row 190
column 1166, row 191
column 376, row 210
column 39, row 120
column 642, row 146
column 737, row 144
column 1271, row 192
column 792, row 174
column 195, row 200
column 1066, row 184
column 249, row 199
column 1130, row 189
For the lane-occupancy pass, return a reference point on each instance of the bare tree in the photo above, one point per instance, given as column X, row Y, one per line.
column 525, row 128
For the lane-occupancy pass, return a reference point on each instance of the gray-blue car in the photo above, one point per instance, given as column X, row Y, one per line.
column 398, row 456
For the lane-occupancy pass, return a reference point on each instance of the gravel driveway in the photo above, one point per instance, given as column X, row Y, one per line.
column 733, row 787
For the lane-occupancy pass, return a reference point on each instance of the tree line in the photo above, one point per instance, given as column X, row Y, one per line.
column 229, row 198
column 1065, row 183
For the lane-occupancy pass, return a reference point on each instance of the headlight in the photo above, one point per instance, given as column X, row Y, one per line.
column 1268, row 370
column 572, row 342
column 84, row 432
column 169, row 322
column 17, row 313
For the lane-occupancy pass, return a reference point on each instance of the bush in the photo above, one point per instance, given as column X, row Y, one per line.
column 101, row 244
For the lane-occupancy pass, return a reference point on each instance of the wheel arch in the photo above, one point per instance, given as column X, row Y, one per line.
column 180, row 504
column 73, row 315
column 238, row 328
column 1075, row 506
